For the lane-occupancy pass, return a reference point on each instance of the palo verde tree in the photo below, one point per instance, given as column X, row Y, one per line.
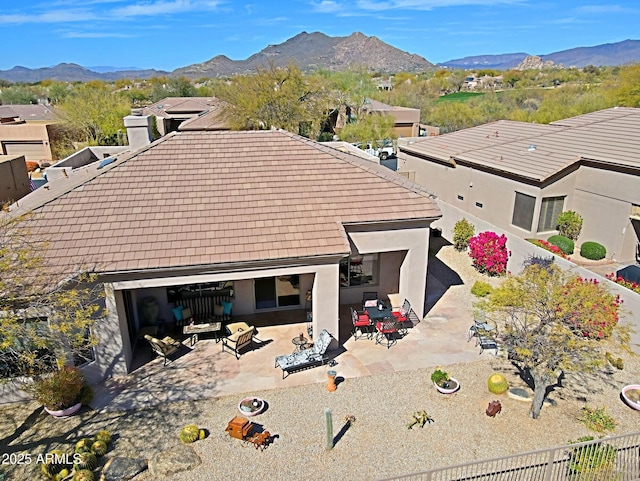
column 46, row 314
column 275, row 97
column 94, row 112
column 369, row 127
column 554, row 322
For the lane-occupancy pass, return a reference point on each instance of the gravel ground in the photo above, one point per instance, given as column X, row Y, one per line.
column 377, row 446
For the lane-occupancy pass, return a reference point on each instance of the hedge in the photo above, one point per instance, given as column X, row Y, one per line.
column 593, row 251
column 564, row 243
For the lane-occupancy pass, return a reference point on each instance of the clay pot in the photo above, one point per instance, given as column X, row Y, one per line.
column 331, row 381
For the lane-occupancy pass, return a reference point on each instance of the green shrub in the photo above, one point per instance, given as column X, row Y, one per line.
column 592, row 462
column 569, row 225
column 462, row 232
column 593, row 251
column 481, row 289
column 597, row 419
column 564, row 243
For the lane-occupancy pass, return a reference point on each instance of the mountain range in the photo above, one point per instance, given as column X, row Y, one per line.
column 310, row 51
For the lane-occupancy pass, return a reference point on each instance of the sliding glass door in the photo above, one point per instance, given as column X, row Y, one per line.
column 274, row 292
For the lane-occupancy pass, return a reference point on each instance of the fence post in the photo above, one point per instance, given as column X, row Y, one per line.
column 549, row 468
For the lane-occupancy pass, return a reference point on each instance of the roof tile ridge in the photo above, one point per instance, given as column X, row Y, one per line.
column 77, row 179
column 369, row 166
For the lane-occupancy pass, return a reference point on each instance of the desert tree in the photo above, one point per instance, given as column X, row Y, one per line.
column 276, row 97
column 94, row 112
column 554, row 322
column 371, row 127
column 46, row 313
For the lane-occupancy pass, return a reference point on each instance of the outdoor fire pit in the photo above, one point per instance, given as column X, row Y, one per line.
column 250, row 406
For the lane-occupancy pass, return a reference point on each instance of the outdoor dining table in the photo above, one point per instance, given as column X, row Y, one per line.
column 376, row 314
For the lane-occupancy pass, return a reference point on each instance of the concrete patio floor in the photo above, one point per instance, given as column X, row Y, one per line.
column 204, row 371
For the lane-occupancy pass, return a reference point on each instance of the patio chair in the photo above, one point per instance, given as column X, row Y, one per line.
column 387, row 330
column 401, row 317
column 306, row 358
column 369, row 299
column 163, row 347
column 405, row 311
column 240, row 336
column 361, row 324
column 481, row 326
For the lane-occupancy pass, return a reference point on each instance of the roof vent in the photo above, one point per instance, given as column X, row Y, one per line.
column 531, row 148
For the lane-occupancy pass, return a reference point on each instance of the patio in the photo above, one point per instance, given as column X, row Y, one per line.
column 204, row 371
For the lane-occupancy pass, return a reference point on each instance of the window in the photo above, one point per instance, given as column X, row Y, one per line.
column 523, row 211
column 359, row 270
column 549, row 212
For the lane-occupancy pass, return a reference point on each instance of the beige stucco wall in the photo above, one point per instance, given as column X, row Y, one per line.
column 412, row 243
column 27, row 132
column 14, row 179
column 602, row 197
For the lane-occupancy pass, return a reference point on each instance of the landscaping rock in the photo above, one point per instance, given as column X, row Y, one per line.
column 172, row 461
column 519, row 394
column 122, row 469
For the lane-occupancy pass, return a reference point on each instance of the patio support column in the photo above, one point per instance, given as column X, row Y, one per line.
column 413, row 270
column 326, row 299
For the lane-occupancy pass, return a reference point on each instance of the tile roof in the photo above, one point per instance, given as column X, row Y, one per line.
column 212, row 119
column 203, row 198
column 537, row 152
column 180, row 105
column 29, row 113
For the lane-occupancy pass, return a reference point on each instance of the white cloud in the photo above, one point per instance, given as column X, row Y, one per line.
column 348, row 8
column 55, row 16
column 163, row 7
column 95, row 35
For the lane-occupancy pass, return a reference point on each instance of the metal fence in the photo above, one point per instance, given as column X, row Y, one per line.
column 615, row 458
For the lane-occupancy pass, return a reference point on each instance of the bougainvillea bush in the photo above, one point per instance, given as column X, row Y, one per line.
column 634, row 286
column 548, row 247
column 489, row 253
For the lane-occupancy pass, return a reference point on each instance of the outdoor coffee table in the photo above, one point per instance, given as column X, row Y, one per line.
column 192, row 330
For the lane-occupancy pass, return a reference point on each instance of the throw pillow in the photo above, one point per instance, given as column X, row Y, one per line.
column 218, row 310
column 227, row 305
column 177, row 312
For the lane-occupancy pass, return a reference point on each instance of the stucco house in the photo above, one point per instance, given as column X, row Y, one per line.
column 171, row 112
column 256, row 218
column 520, row 176
column 27, row 130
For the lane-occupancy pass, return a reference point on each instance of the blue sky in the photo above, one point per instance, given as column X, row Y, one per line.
column 167, row 34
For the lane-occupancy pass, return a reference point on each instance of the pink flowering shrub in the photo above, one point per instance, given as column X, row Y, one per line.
column 589, row 308
column 634, row 286
column 489, row 253
column 548, row 247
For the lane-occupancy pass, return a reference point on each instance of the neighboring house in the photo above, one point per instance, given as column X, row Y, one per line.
column 171, row 112
column 14, row 179
column 265, row 216
column 27, row 130
column 407, row 120
column 520, row 176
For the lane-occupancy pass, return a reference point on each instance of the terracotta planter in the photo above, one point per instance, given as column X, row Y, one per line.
column 64, row 412
column 331, row 381
column 452, row 386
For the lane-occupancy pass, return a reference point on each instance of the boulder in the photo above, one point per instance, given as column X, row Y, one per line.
column 122, row 469
column 179, row 458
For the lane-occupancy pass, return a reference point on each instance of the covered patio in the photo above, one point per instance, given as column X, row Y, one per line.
column 203, row 370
